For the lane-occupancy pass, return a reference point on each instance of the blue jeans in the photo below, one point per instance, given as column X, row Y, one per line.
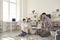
column 23, row 33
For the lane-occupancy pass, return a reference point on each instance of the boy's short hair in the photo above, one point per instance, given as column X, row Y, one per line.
column 24, row 19
column 44, row 13
column 38, row 20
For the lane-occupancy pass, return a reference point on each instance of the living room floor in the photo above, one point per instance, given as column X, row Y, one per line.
column 14, row 36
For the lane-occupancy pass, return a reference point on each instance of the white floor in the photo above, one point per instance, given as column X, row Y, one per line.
column 14, row 36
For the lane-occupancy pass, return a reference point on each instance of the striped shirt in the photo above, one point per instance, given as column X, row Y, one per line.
column 47, row 23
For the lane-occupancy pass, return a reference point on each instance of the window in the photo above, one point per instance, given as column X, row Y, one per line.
column 9, row 10
column 13, row 1
column 5, row 11
column 12, row 11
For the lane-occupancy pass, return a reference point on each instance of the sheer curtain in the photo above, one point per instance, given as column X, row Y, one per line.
column 10, row 10
column 5, row 11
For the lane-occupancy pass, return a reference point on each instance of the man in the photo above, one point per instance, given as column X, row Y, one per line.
column 47, row 24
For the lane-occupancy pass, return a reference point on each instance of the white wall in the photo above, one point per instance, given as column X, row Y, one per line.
column 23, row 8
column 42, row 6
column 1, row 9
column 1, row 13
column 18, row 10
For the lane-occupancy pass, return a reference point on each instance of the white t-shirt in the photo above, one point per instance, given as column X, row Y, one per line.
column 23, row 27
column 39, row 26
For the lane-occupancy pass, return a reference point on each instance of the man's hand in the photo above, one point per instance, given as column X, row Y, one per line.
column 46, row 28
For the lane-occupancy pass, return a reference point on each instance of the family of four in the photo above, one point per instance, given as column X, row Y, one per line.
column 26, row 25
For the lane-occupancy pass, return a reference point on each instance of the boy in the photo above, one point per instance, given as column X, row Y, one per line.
column 24, row 28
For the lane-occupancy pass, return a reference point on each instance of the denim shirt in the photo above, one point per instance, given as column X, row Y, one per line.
column 29, row 23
